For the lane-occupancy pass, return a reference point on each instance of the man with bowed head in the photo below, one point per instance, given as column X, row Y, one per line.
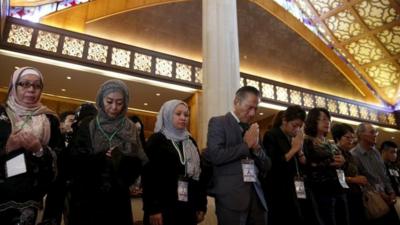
column 238, row 161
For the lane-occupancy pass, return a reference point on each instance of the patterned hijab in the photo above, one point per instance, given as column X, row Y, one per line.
column 30, row 118
column 103, row 127
column 165, row 125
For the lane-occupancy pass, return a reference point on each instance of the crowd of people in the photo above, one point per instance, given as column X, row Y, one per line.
column 83, row 166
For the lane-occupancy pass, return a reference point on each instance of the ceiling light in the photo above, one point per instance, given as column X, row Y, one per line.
column 68, row 78
column 158, row 94
column 63, row 89
column 261, row 113
column 146, row 104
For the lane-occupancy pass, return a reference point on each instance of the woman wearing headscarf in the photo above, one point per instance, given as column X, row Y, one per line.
column 29, row 132
column 107, row 158
column 172, row 192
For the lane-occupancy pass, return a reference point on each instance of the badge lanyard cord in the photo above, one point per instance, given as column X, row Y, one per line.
column 182, row 158
column 108, row 137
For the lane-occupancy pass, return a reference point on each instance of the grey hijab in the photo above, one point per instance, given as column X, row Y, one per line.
column 164, row 121
column 165, row 125
column 102, row 127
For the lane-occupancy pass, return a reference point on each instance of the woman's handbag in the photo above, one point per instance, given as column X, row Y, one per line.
column 374, row 204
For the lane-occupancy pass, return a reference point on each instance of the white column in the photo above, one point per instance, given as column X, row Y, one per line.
column 221, row 76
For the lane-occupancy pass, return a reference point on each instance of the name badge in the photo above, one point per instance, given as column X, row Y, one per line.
column 182, row 191
column 393, row 173
column 300, row 188
column 342, row 178
column 249, row 170
column 16, row 165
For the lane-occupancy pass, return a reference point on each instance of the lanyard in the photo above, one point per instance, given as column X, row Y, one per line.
column 109, row 138
column 29, row 117
column 297, row 166
column 182, row 158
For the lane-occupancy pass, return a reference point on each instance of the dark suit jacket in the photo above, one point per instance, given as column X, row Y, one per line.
column 279, row 184
column 225, row 150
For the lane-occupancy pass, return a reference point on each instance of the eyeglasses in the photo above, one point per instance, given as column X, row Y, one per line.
column 27, row 85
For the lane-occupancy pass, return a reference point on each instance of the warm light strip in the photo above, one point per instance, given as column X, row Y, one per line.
column 334, row 118
column 106, row 73
column 347, row 121
column 272, row 106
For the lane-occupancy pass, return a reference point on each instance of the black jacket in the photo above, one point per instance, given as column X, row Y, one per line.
column 34, row 184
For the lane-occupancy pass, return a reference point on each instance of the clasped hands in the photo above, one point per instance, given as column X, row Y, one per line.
column 23, row 139
column 252, row 136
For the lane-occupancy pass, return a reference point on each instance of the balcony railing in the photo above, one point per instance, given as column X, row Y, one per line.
column 79, row 48
column 41, row 40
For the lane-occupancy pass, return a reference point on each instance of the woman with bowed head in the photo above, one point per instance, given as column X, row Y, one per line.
column 107, row 158
column 324, row 171
column 172, row 193
column 29, row 132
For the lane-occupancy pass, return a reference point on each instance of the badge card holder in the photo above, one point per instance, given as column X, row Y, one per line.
column 16, row 165
column 249, row 170
column 300, row 188
column 183, row 190
column 342, row 178
column 299, row 183
column 393, row 173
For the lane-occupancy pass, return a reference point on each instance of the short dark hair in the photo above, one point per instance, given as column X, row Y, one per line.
column 386, row 145
column 64, row 115
column 242, row 92
column 294, row 112
column 338, row 130
column 311, row 123
column 277, row 120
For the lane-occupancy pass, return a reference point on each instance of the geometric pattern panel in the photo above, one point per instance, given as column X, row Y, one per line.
column 332, row 106
column 364, row 113
column 324, row 6
column 344, row 26
column 73, row 47
column 268, row 91
column 295, row 97
column 47, row 41
column 391, row 39
column 120, row 57
column 183, row 72
column 97, row 52
column 282, row 94
column 198, row 74
column 308, row 100
column 253, row 83
column 376, row 13
column 164, row 67
column 142, row 62
column 343, row 109
column 365, row 51
column 20, row 35
column 386, row 76
column 320, row 101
